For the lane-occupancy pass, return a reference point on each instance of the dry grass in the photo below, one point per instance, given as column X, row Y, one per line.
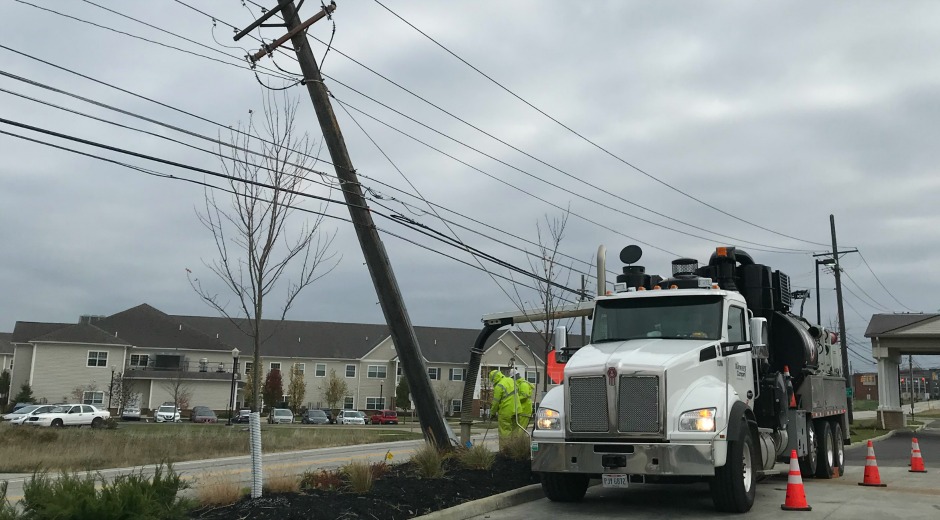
column 360, row 476
column 25, row 449
column 517, row 447
column 219, row 490
column 428, row 461
column 282, row 483
column 477, row 456
column 324, row 479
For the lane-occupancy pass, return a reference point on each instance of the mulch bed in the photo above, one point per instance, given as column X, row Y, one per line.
column 398, row 495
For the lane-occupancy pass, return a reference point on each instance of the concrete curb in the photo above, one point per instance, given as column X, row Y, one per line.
column 488, row 504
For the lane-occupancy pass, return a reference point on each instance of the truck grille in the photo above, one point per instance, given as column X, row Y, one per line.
column 638, row 405
column 588, row 410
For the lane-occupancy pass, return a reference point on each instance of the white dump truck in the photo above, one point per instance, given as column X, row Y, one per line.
column 704, row 375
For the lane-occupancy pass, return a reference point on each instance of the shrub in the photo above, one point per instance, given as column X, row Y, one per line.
column 360, row 476
column 517, row 447
column 477, row 456
column 134, row 495
column 219, row 491
column 428, row 461
column 325, row 479
column 282, row 483
column 110, row 423
column 380, row 469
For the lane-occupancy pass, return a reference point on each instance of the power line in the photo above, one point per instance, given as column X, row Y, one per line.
column 876, row 305
column 589, row 141
column 881, row 284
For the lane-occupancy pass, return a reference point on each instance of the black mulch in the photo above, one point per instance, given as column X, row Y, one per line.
column 398, row 495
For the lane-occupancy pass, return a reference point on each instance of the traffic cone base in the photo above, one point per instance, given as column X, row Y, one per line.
column 917, row 461
column 872, row 477
column 796, row 496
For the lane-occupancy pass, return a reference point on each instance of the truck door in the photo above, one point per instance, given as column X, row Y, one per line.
column 740, row 369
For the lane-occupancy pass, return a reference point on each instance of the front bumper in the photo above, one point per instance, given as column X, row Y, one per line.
column 643, row 459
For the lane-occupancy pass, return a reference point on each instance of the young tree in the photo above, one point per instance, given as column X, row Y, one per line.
column 403, row 395
column 25, row 395
column 254, row 247
column 179, row 389
column 273, row 391
column 249, row 384
column 447, row 391
column 4, row 388
column 122, row 393
column 335, row 390
column 296, row 389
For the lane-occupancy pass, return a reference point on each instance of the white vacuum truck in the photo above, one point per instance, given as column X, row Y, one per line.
column 705, row 375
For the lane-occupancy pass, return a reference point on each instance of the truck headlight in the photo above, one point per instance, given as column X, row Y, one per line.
column 701, row 420
column 548, row 419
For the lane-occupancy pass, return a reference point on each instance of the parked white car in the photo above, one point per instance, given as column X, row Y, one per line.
column 23, row 414
column 71, row 415
column 167, row 413
column 351, row 417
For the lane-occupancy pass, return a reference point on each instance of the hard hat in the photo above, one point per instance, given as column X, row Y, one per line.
column 513, row 373
column 495, row 375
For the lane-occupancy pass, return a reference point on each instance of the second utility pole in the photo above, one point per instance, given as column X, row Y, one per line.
column 386, row 286
column 845, row 352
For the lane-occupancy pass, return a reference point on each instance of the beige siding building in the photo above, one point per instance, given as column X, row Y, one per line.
column 191, row 359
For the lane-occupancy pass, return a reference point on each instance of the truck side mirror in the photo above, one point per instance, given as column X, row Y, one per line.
column 561, row 341
column 758, row 329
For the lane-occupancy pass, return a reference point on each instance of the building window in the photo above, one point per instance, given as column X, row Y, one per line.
column 532, row 376
column 375, row 403
column 456, row 405
column 377, row 371
column 458, row 374
column 301, row 367
column 398, row 371
column 140, row 360
column 276, row 366
column 248, row 367
column 350, row 370
column 348, row 403
column 97, row 359
column 434, row 373
column 320, row 370
column 96, row 398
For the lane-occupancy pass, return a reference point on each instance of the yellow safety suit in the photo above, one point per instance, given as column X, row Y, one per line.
column 505, row 404
column 524, row 391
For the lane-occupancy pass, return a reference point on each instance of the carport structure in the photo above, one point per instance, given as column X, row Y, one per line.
column 892, row 336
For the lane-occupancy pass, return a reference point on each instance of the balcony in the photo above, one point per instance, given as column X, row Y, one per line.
column 157, row 368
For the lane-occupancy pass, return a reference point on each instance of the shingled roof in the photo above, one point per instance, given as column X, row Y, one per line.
column 82, row 333
column 884, row 323
column 24, row 331
column 145, row 326
column 6, row 343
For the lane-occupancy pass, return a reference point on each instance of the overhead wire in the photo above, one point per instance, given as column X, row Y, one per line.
column 882, row 284
column 586, row 139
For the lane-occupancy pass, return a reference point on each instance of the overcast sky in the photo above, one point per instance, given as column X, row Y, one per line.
column 775, row 113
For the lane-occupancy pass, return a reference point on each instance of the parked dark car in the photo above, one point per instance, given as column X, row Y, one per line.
column 203, row 414
column 315, row 417
column 329, row 415
column 241, row 417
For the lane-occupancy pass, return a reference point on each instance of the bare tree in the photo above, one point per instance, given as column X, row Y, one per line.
column 179, row 389
column 552, row 273
column 447, row 391
column 122, row 392
column 250, row 229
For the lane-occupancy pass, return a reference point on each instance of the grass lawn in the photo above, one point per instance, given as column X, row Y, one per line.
column 24, row 449
column 863, row 430
column 863, row 405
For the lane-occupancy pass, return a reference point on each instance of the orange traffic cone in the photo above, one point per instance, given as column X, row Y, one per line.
column 786, row 375
column 796, row 497
column 917, row 462
column 872, row 477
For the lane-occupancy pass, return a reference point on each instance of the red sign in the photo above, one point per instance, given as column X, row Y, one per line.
column 556, row 371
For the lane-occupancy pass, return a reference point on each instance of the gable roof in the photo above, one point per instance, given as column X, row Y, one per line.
column 24, row 331
column 81, row 333
column 145, row 326
column 884, row 323
column 6, row 343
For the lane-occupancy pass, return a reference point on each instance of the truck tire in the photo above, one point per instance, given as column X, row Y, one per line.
column 839, row 447
column 564, row 487
column 734, row 485
column 825, row 456
column 809, row 461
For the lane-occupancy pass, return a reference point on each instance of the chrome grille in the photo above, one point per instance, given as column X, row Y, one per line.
column 638, row 404
column 588, row 410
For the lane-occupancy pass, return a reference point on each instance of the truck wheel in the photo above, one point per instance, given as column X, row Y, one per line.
column 808, row 462
column 839, row 446
column 734, row 485
column 826, row 457
column 564, row 487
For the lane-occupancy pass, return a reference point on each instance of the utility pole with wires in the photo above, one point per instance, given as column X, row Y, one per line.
column 383, row 278
column 842, row 337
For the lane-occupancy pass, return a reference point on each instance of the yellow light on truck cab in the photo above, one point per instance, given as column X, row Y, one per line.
column 714, row 286
column 656, row 287
column 673, row 286
column 705, row 413
column 608, row 293
column 641, row 288
column 721, row 251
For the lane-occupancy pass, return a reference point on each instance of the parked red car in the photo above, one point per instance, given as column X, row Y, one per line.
column 385, row 417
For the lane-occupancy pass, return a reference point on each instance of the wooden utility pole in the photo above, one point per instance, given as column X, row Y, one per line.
column 386, row 286
column 842, row 338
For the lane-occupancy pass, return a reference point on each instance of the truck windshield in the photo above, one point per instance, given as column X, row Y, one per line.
column 673, row 317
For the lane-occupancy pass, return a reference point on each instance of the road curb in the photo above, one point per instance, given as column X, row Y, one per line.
column 488, row 504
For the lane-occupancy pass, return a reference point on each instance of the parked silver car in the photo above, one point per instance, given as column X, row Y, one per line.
column 281, row 416
column 167, row 413
column 131, row 413
column 23, row 414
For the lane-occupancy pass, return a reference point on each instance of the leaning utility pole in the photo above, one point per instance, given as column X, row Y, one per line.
column 842, row 339
column 386, row 286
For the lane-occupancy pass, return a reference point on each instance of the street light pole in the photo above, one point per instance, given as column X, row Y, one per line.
column 231, row 400
column 111, row 388
column 382, row 394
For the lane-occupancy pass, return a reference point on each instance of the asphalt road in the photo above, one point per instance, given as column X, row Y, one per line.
column 908, row 496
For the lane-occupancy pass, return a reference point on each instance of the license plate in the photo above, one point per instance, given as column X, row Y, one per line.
column 615, row 480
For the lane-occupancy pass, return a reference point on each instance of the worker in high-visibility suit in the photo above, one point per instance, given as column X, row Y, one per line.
column 524, row 391
column 505, row 404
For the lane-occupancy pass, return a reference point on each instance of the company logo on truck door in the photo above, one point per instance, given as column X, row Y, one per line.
column 611, row 376
column 740, row 370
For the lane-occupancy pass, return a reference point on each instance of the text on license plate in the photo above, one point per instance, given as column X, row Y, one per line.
column 615, row 480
